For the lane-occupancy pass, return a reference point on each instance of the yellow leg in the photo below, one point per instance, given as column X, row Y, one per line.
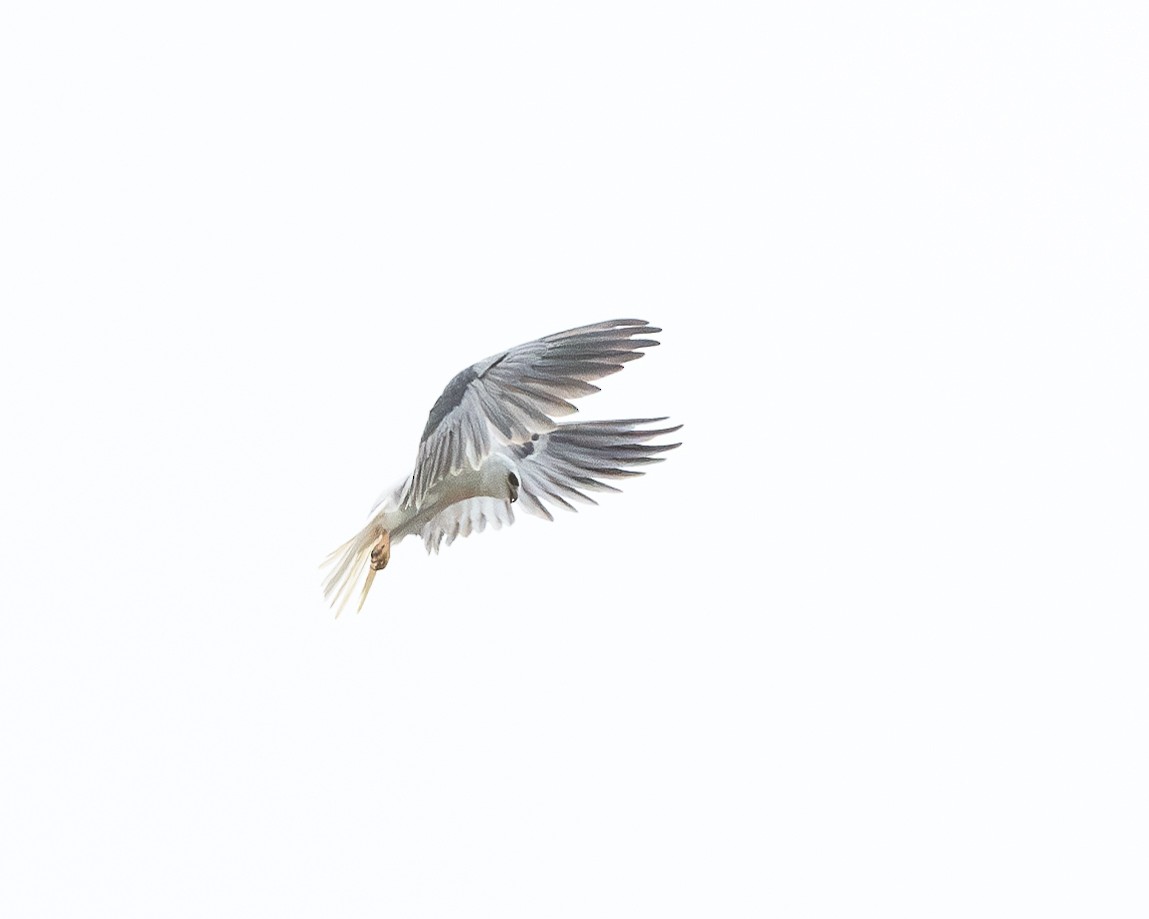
column 381, row 553
column 380, row 556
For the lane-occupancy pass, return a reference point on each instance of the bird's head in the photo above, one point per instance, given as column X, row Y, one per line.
column 500, row 479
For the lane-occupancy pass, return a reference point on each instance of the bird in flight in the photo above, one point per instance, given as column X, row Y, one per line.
column 491, row 440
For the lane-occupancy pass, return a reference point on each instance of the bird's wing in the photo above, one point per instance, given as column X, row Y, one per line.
column 464, row 518
column 564, row 464
column 557, row 468
column 510, row 396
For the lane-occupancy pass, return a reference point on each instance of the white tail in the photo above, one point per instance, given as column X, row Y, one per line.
column 348, row 563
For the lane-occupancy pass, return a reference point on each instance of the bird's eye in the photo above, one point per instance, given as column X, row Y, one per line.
column 514, row 480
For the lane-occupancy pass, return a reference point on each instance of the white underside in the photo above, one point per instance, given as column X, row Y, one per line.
column 350, row 561
column 488, row 481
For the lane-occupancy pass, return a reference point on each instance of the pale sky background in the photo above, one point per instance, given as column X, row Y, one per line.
column 873, row 642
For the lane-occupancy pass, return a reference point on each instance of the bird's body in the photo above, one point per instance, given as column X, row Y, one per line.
column 491, row 440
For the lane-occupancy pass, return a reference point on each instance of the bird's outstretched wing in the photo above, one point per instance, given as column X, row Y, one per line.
column 506, row 398
column 558, row 467
column 561, row 466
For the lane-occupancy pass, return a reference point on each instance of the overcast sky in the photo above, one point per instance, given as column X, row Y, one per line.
column 871, row 642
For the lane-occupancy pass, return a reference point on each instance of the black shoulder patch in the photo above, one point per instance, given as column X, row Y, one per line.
column 522, row 451
column 450, row 398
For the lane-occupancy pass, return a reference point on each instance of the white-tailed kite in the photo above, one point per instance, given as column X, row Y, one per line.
column 491, row 440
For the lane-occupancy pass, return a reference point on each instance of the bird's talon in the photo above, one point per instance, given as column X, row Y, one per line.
column 381, row 552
